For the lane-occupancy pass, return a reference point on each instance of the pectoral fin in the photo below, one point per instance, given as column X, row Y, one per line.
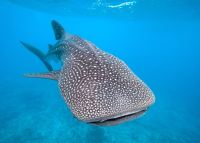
column 53, row 75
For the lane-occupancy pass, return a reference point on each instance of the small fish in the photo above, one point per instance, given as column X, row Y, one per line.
column 98, row 87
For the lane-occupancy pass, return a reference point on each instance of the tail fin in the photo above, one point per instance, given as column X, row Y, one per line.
column 39, row 54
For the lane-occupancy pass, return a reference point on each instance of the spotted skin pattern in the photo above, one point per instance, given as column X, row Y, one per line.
column 98, row 86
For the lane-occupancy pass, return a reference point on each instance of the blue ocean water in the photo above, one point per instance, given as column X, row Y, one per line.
column 159, row 40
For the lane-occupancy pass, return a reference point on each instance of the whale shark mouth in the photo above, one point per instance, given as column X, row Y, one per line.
column 119, row 119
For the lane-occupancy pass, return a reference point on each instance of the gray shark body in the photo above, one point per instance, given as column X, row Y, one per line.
column 97, row 87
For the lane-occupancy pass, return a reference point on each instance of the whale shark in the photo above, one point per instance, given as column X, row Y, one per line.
column 98, row 87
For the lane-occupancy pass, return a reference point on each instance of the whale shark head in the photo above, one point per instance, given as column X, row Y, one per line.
column 100, row 89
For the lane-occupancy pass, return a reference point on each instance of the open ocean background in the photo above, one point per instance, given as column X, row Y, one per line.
column 158, row 39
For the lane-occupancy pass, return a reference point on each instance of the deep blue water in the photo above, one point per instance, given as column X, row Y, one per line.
column 160, row 41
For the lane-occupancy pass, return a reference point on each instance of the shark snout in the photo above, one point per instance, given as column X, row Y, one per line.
column 149, row 101
column 139, row 108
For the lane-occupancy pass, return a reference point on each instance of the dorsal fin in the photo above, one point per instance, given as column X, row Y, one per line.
column 59, row 31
